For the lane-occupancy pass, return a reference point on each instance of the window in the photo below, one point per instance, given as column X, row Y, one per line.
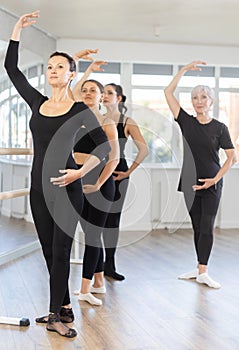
column 111, row 73
column 14, row 112
column 146, row 103
column 150, row 110
column 228, row 114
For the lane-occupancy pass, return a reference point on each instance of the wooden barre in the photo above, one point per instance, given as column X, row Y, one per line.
column 14, row 193
column 15, row 151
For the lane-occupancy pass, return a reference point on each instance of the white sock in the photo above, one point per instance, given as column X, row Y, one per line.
column 205, row 279
column 98, row 290
column 90, row 299
column 77, row 291
column 189, row 275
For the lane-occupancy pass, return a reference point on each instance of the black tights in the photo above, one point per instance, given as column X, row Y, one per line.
column 56, row 244
column 202, row 209
column 96, row 208
column 111, row 231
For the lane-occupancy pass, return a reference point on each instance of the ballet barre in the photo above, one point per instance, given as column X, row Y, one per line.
column 16, row 151
column 14, row 193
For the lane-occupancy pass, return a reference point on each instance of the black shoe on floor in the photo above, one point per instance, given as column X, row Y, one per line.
column 66, row 316
column 109, row 271
column 54, row 324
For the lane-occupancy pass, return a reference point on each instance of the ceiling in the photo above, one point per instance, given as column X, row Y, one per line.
column 207, row 22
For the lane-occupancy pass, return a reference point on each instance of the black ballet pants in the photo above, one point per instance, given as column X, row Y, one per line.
column 56, row 242
column 202, row 209
column 111, row 231
column 94, row 214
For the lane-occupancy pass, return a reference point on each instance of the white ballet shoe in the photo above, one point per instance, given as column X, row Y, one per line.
column 189, row 275
column 205, row 279
column 98, row 290
column 90, row 299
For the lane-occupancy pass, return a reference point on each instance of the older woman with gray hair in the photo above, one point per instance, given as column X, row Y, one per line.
column 201, row 175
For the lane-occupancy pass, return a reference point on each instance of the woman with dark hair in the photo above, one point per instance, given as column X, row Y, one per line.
column 201, row 176
column 55, row 209
column 114, row 101
column 99, row 192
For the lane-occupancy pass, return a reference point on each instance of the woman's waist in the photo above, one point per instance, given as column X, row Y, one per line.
column 80, row 158
column 122, row 165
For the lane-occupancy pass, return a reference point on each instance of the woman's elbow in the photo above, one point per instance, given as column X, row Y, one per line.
column 145, row 151
column 166, row 91
column 234, row 159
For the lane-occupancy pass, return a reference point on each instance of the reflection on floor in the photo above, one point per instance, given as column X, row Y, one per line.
column 17, row 237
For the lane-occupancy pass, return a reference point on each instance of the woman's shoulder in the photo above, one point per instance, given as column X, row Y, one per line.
column 106, row 121
column 184, row 113
column 219, row 126
column 80, row 105
column 127, row 120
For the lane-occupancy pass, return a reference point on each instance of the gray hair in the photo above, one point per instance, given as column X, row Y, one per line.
column 199, row 88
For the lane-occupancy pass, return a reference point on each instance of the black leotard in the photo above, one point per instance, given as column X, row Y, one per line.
column 44, row 127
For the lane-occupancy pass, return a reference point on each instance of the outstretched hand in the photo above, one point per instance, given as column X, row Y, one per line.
column 28, row 19
column 85, row 54
column 96, row 66
column 194, row 65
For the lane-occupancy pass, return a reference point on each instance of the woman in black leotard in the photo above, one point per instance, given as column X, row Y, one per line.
column 114, row 101
column 201, row 175
column 54, row 124
column 99, row 192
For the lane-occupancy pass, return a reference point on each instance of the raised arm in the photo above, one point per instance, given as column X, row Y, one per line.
column 24, row 21
column 11, row 60
column 173, row 103
column 93, row 67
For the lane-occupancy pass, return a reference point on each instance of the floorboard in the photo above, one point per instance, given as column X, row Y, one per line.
column 150, row 310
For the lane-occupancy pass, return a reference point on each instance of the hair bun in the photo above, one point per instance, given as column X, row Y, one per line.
column 123, row 98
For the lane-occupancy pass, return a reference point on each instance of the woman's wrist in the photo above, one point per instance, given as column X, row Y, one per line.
column 80, row 173
column 98, row 184
column 128, row 172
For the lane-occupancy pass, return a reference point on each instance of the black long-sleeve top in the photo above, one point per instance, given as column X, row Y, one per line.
column 53, row 137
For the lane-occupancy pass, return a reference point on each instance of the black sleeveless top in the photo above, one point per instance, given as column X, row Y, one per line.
column 122, row 165
column 85, row 144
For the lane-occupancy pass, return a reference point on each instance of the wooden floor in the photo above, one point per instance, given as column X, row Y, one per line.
column 14, row 233
column 151, row 309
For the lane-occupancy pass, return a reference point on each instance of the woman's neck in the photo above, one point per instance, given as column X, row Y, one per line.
column 203, row 118
column 60, row 95
column 113, row 113
column 97, row 113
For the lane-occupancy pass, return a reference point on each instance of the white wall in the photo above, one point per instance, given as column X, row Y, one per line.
column 154, row 53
